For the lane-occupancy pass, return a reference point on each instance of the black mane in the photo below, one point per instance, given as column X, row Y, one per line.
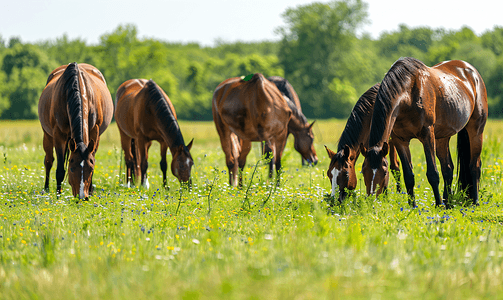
column 70, row 79
column 362, row 109
column 163, row 113
column 395, row 82
column 287, row 90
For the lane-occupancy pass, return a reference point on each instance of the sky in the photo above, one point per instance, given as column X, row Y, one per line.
column 206, row 21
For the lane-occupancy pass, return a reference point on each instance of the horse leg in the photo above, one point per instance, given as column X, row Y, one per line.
column 49, row 158
column 164, row 163
column 91, row 187
column 394, row 165
column 446, row 165
column 279, row 147
column 60, row 147
column 142, row 155
column 245, row 149
column 269, row 156
column 227, row 138
column 403, row 151
column 428, row 141
column 475, row 138
column 127, row 147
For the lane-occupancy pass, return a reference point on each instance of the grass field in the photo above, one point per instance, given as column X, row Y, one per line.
column 216, row 241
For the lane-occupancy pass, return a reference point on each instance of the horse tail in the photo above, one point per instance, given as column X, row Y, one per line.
column 464, row 174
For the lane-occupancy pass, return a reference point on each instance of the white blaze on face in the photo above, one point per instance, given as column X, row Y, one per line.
column 372, row 182
column 81, row 194
column 146, row 184
column 335, row 174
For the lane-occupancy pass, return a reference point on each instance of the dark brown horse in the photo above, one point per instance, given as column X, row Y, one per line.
column 143, row 113
column 301, row 130
column 74, row 109
column 432, row 105
column 252, row 110
column 341, row 171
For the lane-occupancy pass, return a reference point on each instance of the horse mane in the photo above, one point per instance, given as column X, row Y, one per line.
column 354, row 126
column 295, row 111
column 71, row 87
column 162, row 112
column 287, row 90
column 394, row 83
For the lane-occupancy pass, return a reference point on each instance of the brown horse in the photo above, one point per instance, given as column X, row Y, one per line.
column 301, row 130
column 143, row 113
column 252, row 110
column 432, row 105
column 75, row 108
column 341, row 171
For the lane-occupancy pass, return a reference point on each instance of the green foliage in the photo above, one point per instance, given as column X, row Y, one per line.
column 26, row 68
column 318, row 52
column 313, row 43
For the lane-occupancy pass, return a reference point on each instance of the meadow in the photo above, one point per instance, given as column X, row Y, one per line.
column 215, row 241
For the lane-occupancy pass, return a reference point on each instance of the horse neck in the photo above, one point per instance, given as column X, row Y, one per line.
column 297, row 123
column 168, row 126
column 382, row 126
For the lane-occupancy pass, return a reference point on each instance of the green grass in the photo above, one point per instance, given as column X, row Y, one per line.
column 131, row 244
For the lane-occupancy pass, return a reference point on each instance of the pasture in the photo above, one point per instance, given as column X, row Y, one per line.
column 259, row 242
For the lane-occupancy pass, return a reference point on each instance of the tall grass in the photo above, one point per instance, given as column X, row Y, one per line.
column 203, row 243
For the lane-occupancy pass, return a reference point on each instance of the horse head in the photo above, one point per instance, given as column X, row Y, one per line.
column 81, row 166
column 375, row 169
column 341, row 171
column 304, row 143
column 182, row 162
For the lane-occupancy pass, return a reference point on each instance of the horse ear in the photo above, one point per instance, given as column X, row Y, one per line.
column 363, row 150
column 384, row 150
column 346, row 152
column 330, row 152
column 72, row 145
column 190, row 144
column 311, row 125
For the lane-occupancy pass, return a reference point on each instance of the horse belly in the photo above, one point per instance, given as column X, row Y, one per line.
column 452, row 116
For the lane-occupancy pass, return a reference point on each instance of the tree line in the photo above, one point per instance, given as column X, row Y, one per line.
column 319, row 51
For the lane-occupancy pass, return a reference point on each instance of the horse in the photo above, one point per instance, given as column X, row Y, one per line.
column 74, row 109
column 143, row 113
column 253, row 109
column 431, row 104
column 353, row 140
column 302, row 131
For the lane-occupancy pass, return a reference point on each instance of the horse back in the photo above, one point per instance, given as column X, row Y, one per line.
column 254, row 110
column 128, row 105
column 97, row 105
column 463, row 94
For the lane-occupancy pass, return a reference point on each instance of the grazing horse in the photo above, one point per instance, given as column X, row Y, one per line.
column 252, row 109
column 341, row 171
column 431, row 104
column 301, row 130
column 75, row 108
column 143, row 113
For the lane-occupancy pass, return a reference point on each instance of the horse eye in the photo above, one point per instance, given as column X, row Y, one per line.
column 72, row 169
column 71, row 160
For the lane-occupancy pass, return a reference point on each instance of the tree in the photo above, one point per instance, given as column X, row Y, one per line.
column 313, row 43
column 26, row 68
